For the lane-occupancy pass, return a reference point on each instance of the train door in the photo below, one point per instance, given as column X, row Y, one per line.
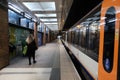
column 109, row 39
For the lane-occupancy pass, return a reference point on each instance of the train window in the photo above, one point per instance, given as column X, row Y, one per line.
column 73, row 37
column 77, row 34
column 83, row 36
column 109, row 32
column 79, row 40
column 87, row 37
column 69, row 37
column 93, row 43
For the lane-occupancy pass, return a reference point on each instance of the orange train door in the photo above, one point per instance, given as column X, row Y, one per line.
column 109, row 38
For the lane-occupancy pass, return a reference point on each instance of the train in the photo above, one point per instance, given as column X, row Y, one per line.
column 95, row 42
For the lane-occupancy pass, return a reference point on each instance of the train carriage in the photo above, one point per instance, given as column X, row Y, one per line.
column 95, row 38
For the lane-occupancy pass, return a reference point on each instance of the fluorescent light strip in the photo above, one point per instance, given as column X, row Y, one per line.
column 40, row 6
column 45, row 15
column 14, row 8
column 50, row 23
column 48, row 19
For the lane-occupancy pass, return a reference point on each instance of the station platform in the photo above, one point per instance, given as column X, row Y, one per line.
column 53, row 63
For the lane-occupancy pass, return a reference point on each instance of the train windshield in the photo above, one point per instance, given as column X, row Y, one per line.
column 109, row 34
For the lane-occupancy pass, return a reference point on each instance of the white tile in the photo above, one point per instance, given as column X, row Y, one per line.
column 24, row 77
column 25, row 70
column 25, row 73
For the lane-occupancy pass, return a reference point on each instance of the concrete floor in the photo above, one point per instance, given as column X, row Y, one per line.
column 53, row 63
column 46, row 68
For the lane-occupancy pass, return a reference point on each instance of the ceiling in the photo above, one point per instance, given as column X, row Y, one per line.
column 50, row 12
column 78, row 10
column 47, row 11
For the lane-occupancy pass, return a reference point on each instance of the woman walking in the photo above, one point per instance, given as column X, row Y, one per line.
column 31, row 47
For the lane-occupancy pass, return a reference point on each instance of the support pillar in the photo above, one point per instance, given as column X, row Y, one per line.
column 48, row 36
column 36, row 33
column 44, row 36
column 4, row 35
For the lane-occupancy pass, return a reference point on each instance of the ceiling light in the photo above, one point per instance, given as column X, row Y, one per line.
column 51, row 23
column 48, row 19
column 45, row 15
column 40, row 6
column 15, row 8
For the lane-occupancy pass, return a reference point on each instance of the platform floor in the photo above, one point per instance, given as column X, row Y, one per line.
column 47, row 66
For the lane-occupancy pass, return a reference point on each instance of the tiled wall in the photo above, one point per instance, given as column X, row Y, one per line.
column 4, row 49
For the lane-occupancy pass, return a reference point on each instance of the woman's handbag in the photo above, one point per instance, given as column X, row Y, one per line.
column 25, row 50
